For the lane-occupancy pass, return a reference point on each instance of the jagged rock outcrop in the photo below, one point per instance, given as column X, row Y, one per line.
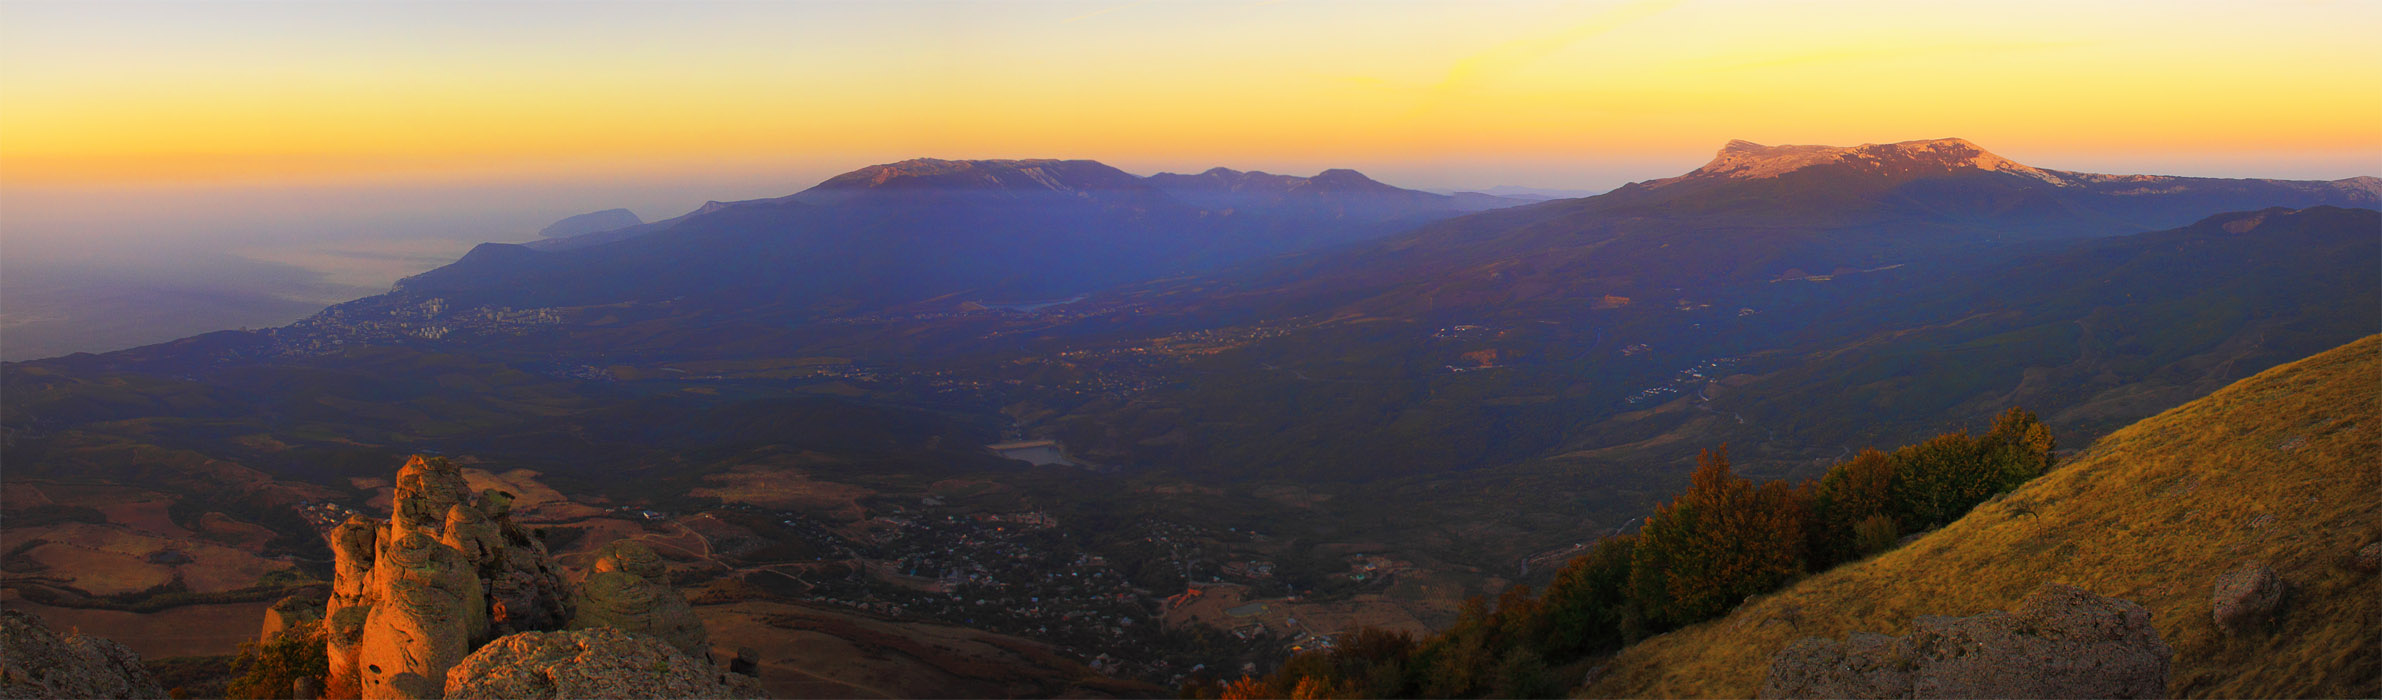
column 448, row 572
column 427, row 616
column 427, row 488
column 413, row 597
column 38, row 663
column 2063, row 642
column 628, row 588
column 2244, row 599
column 352, row 553
column 598, row 662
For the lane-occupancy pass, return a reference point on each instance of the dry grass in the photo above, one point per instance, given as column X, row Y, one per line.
column 144, row 512
column 533, row 500
column 107, row 560
column 98, row 571
column 238, row 534
column 816, row 652
column 2282, row 468
column 786, row 488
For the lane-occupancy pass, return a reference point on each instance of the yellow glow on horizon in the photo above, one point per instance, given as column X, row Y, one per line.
column 123, row 93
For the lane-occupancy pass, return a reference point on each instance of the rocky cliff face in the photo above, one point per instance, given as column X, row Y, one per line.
column 450, row 571
column 38, row 663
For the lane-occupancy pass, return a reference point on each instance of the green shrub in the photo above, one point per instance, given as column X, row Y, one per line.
column 1719, row 542
column 1852, row 492
column 1586, row 606
column 1875, row 534
column 267, row 670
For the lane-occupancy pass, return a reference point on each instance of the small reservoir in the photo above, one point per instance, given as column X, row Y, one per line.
column 1039, row 452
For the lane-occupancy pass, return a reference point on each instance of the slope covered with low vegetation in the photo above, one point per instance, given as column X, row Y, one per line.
column 1723, row 540
column 2280, row 469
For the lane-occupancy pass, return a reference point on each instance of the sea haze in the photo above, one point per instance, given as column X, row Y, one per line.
column 100, row 268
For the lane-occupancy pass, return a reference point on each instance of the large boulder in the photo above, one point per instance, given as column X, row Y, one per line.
column 624, row 601
column 2244, row 599
column 628, row 587
column 590, row 663
column 37, row 663
column 2367, row 559
column 2063, row 642
column 633, row 557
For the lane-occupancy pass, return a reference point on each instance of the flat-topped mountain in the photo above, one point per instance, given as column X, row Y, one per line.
column 1012, row 176
column 1955, row 179
column 1748, row 160
column 1908, row 160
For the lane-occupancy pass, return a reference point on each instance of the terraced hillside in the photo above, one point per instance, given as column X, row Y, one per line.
column 2281, row 469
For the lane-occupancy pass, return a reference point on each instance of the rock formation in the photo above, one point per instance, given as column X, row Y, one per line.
column 428, row 614
column 2366, row 560
column 523, row 586
column 629, row 588
column 2244, row 599
column 38, row 663
column 351, row 601
column 450, row 571
column 2063, row 642
column 426, row 489
column 590, row 663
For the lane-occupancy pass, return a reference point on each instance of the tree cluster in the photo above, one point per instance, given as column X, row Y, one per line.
column 1723, row 540
column 268, row 669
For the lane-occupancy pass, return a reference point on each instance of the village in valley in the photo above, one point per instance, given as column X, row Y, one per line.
column 1157, row 600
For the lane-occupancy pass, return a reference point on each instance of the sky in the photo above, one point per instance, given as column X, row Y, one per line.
column 1436, row 94
column 360, row 141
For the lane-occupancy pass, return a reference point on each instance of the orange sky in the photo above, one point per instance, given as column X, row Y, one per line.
column 112, row 93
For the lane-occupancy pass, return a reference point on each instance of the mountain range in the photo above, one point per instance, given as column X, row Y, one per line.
column 997, row 230
column 1457, row 384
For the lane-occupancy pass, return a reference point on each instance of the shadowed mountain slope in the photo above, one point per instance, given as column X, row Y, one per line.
column 2096, row 336
column 2095, row 333
column 995, row 230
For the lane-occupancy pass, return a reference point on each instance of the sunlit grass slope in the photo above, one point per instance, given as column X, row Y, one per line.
column 2283, row 468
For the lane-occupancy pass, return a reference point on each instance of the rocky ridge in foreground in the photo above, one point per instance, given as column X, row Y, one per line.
column 450, row 575
column 39, row 663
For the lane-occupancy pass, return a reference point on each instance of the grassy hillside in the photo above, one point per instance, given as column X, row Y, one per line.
column 2282, row 468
